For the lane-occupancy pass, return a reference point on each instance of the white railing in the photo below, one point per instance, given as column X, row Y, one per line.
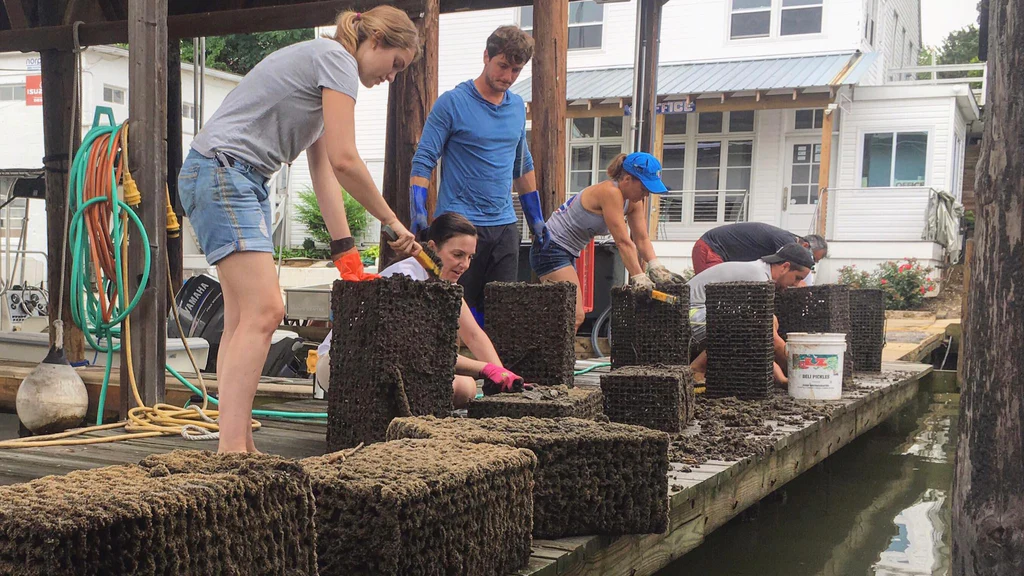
column 973, row 75
column 897, row 214
column 686, row 214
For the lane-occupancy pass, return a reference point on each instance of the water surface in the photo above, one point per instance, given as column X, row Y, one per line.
column 879, row 506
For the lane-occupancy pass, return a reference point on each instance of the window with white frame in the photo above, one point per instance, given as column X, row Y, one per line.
column 800, row 17
column 593, row 144
column 869, row 21
column 188, row 111
column 893, row 159
column 113, row 94
column 707, row 166
column 957, row 187
column 586, row 24
column 808, row 119
column 12, row 92
column 774, row 18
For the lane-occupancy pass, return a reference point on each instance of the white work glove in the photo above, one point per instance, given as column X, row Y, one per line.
column 662, row 275
column 641, row 280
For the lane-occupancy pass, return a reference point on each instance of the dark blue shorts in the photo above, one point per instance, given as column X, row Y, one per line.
column 544, row 261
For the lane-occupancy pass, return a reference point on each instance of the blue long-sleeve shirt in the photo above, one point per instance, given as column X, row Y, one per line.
column 482, row 147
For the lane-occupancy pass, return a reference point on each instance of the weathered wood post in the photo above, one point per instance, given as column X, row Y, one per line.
column 547, row 137
column 410, row 98
column 174, row 154
column 988, row 486
column 147, row 159
column 60, row 129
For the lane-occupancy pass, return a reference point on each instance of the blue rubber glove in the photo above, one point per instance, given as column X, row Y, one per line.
column 534, row 217
column 417, row 209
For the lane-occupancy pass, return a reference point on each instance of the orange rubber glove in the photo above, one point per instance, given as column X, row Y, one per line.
column 350, row 266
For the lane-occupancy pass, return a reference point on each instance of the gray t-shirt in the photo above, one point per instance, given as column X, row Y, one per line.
column 276, row 111
column 756, row 271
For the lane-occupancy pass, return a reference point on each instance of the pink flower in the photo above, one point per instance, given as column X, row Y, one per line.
column 923, row 290
column 884, row 281
column 905, row 267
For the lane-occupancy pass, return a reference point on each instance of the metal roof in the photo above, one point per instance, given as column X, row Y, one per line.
column 714, row 77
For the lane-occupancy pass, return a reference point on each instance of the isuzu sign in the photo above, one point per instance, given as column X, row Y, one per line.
column 33, row 90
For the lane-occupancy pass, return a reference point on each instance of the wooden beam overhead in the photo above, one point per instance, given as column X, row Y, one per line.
column 16, row 13
column 222, row 22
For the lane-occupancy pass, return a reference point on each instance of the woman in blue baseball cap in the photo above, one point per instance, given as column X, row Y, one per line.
column 601, row 209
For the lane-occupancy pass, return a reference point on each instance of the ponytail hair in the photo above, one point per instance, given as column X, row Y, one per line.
column 387, row 24
column 615, row 169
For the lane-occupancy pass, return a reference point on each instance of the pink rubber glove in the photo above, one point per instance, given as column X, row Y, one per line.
column 498, row 380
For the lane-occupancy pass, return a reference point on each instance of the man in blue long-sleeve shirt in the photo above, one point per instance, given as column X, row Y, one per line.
column 478, row 132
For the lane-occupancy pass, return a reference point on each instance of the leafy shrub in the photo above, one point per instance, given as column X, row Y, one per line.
column 905, row 283
column 308, row 212
column 857, row 278
column 370, row 254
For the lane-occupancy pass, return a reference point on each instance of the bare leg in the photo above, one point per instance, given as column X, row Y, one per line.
column 781, row 362
column 700, row 363
column 568, row 274
column 248, row 278
column 464, row 389
column 230, row 325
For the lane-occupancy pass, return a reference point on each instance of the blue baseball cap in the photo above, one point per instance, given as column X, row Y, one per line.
column 645, row 168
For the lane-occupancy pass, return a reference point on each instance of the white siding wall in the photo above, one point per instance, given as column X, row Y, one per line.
column 895, row 214
column 22, row 145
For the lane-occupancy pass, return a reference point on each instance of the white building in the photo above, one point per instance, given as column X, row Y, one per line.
column 104, row 83
column 759, row 74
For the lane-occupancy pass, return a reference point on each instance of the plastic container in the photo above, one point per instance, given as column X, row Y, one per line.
column 816, row 365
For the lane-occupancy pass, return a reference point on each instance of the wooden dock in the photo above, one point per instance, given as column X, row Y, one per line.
column 707, row 497
column 701, row 500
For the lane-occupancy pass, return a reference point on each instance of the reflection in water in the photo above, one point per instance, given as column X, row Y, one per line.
column 880, row 506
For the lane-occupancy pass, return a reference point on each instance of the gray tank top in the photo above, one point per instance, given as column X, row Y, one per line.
column 573, row 227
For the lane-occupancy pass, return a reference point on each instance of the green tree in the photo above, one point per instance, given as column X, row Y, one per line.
column 959, row 47
column 238, row 53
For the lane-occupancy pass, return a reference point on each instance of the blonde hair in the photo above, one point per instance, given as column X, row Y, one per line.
column 388, row 24
column 615, row 169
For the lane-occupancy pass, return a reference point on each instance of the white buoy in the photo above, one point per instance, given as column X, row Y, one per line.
column 52, row 398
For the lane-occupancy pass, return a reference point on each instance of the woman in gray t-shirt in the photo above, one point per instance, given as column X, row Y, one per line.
column 300, row 98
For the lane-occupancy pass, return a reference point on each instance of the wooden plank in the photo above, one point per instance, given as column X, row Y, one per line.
column 16, row 13
column 551, row 37
column 964, row 307
column 410, row 98
column 823, row 171
column 61, row 128
column 147, row 160
column 223, row 22
column 654, row 214
column 175, row 255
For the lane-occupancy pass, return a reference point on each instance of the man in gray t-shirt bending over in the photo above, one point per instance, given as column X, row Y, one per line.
column 787, row 267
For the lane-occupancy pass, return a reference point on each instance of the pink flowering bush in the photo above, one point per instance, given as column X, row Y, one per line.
column 905, row 283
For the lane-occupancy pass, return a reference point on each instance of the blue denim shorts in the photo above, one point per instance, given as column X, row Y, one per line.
column 544, row 261
column 228, row 207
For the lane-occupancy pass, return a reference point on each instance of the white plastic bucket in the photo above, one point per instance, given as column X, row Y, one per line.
column 815, row 365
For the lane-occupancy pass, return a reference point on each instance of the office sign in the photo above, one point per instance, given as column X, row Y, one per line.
column 673, row 107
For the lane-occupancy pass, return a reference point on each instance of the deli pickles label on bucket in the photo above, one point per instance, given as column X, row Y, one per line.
column 828, row 362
